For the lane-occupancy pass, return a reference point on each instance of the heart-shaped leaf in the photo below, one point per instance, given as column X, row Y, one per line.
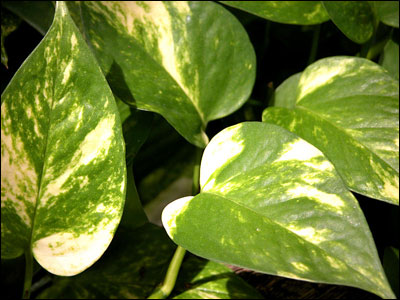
column 273, row 203
column 191, row 62
column 137, row 261
column 63, row 169
column 348, row 108
column 289, row 12
column 354, row 18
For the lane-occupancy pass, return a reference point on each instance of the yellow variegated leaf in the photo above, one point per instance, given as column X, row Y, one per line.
column 62, row 155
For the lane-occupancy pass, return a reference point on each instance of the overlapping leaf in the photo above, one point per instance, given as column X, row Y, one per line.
column 388, row 12
column 390, row 58
column 137, row 261
column 354, row 18
column 62, row 154
column 273, row 203
column 289, row 12
column 191, row 62
column 348, row 108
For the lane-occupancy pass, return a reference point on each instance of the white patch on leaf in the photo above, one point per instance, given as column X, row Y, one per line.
column 299, row 149
column 67, row 72
column 172, row 211
column 66, row 254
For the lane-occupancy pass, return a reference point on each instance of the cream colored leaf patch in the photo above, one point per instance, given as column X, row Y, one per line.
column 273, row 203
column 63, row 155
column 348, row 108
column 161, row 44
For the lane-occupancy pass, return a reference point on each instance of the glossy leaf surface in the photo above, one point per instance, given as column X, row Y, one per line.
column 63, row 169
column 137, row 261
column 289, row 12
column 348, row 108
column 388, row 12
column 354, row 18
column 273, row 203
column 192, row 62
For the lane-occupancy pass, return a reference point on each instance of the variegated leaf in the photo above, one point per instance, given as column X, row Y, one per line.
column 62, row 154
column 191, row 62
column 273, row 203
column 348, row 108
column 289, row 12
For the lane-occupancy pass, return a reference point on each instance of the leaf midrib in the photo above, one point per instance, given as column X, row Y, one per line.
column 139, row 45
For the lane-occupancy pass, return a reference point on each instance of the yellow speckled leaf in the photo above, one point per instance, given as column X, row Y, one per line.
column 63, row 169
column 273, row 203
column 347, row 107
column 190, row 61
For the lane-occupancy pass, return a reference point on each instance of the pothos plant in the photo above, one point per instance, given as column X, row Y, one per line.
column 276, row 194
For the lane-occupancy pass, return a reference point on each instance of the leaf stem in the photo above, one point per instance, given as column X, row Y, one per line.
column 196, row 172
column 28, row 274
column 314, row 44
column 172, row 273
column 168, row 285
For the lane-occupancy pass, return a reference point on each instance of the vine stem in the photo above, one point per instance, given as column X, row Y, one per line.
column 28, row 274
column 172, row 273
column 168, row 284
column 314, row 45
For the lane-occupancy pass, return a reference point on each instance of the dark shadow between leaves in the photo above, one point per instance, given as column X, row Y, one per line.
column 116, row 80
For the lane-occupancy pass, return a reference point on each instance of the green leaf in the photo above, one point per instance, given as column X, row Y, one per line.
column 136, row 130
column 273, row 203
column 388, row 12
column 201, row 279
column 9, row 23
column 348, row 108
column 285, row 93
column 38, row 14
column 391, row 266
column 354, row 18
column 390, row 58
column 191, row 62
column 289, row 12
column 137, row 261
column 62, row 155
column 134, row 215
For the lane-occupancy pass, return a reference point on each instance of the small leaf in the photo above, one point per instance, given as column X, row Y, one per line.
column 9, row 23
column 38, row 14
column 388, row 12
column 348, row 108
column 354, row 18
column 134, row 215
column 390, row 58
column 391, row 266
column 191, row 62
column 137, row 261
column 289, row 12
column 62, row 155
column 273, row 203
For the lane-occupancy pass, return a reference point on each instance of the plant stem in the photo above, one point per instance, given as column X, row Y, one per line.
column 172, row 273
column 314, row 45
column 196, row 172
column 28, row 274
column 167, row 286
